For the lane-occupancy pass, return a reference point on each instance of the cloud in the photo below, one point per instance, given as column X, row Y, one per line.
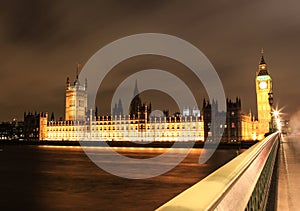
column 41, row 42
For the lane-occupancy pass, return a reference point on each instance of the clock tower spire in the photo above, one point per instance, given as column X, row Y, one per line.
column 263, row 88
column 263, row 70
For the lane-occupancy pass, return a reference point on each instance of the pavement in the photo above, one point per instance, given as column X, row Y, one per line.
column 288, row 192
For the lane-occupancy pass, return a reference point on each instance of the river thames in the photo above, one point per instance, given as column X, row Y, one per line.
column 60, row 178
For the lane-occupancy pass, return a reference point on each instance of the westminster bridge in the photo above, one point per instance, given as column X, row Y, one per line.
column 265, row 177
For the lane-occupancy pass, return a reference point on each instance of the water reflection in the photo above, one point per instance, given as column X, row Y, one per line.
column 64, row 178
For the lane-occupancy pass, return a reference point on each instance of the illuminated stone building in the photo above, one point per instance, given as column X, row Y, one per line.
column 237, row 126
column 139, row 125
column 123, row 128
column 263, row 90
column 35, row 126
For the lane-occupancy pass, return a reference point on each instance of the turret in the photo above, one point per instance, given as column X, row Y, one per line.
column 76, row 100
column 68, row 83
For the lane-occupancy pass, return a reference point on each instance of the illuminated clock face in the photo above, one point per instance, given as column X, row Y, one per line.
column 263, row 85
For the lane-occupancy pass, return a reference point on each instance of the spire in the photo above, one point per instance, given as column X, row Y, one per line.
column 136, row 90
column 136, row 102
column 204, row 103
column 52, row 118
column 262, row 60
column 120, row 107
column 262, row 65
column 77, row 73
column 85, row 84
column 96, row 113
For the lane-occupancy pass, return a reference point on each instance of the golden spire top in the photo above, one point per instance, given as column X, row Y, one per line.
column 262, row 60
column 77, row 70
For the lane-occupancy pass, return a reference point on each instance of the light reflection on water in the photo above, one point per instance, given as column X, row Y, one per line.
column 59, row 177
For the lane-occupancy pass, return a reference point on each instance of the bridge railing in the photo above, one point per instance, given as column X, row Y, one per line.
column 241, row 184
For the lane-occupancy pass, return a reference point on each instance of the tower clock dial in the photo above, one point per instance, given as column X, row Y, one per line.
column 263, row 85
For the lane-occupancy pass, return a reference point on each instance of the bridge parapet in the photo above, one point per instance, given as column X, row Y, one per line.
column 241, row 184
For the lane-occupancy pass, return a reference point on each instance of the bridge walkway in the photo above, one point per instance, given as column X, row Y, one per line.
column 288, row 192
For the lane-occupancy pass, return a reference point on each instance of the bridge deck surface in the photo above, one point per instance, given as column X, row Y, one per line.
column 288, row 195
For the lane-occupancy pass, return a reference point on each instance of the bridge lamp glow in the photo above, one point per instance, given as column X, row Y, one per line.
column 278, row 124
column 276, row 113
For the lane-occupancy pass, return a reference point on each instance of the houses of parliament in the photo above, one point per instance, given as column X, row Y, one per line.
column 82, row 123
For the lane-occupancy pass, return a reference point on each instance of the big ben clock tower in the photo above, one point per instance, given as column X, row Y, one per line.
column 263, row 88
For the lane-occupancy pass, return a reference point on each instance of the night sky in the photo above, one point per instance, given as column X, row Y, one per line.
column 42, row 41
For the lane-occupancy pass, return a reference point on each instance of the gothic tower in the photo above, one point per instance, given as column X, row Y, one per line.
column 263, row 90
column 76, row 100
column 136, row 103
column 139, row 110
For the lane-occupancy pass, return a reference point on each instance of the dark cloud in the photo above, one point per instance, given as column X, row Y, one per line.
column 41, row 42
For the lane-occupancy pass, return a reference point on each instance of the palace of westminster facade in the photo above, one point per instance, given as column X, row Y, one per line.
column 82, row 123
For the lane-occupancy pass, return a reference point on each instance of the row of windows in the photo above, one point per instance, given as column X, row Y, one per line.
column 162, row 127
column 118, row 122
column 120, row 135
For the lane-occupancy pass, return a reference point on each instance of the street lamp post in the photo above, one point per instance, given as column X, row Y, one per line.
column 271, row 101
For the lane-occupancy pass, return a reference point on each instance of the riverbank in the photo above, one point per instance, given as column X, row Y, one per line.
column 155, row 144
